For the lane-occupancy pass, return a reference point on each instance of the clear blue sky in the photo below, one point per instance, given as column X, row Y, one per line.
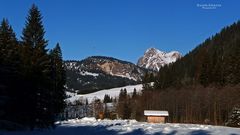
column 123, row 29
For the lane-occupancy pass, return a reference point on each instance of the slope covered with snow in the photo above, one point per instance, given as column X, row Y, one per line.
column 114, row 92
column 155, row 59
column 91, row 126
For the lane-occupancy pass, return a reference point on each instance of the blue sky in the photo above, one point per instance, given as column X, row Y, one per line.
column 123, row 29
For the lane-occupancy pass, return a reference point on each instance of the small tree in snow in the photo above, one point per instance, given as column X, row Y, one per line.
column 234, row 118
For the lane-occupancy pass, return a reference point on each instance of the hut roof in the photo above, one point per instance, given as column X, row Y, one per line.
column 155, row 113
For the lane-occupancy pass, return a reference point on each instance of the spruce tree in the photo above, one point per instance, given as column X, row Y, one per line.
column 58, row 76
column 126, row 110
column 134, row 95
column 36, row 65
column 8, row 42
column 107, row 99
column 204, row 73
column 9, row 71
column 145, row 81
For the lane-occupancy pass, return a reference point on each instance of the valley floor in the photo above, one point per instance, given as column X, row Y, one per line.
column 91, row 126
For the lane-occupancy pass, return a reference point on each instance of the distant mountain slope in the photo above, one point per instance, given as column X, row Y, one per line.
column 98, row 72
column 155, row 59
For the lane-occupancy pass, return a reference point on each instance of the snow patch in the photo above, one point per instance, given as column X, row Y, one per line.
column 89, row 73
column 124, row 76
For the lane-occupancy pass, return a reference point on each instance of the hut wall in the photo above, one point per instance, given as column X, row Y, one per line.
column 156, row 119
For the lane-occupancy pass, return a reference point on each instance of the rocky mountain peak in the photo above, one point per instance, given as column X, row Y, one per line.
column 155, row 59
column 153, row 51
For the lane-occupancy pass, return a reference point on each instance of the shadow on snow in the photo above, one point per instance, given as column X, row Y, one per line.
column 95, row 130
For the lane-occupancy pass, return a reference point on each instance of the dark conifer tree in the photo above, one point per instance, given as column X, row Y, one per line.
column 107, row 99
column 122, row 95
column 145, row 81
column 58, row 77
column 86, row 102
column 124, row 106
column 36, row 65
column 204, row 73
column 9, row 71
column 126, row 110
column 8, row 42
column 134, row 95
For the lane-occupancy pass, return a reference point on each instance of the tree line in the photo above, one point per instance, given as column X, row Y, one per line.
column 32, row 77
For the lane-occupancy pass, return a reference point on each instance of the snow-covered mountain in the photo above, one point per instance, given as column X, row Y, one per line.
column 155, row 59
column 99, row 72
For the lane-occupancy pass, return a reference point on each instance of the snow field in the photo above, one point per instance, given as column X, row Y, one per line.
column 114, row 92
column 132, row 127
column 91, row 126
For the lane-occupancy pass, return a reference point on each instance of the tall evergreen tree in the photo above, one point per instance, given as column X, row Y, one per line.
column 8, row 42
column 58, row 76
column 36, row 65
column 124, row 106
column 9, row 70
column 204, row 73
column 134, row 94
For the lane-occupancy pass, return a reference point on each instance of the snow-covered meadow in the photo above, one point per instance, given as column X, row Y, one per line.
column 114, row 92
column 91, row 126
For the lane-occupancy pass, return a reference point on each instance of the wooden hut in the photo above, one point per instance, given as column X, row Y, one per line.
column 154, row 116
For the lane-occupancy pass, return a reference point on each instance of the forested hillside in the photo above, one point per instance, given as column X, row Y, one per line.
column 215, row 62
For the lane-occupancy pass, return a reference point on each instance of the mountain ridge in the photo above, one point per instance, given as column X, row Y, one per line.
column 100, row 72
